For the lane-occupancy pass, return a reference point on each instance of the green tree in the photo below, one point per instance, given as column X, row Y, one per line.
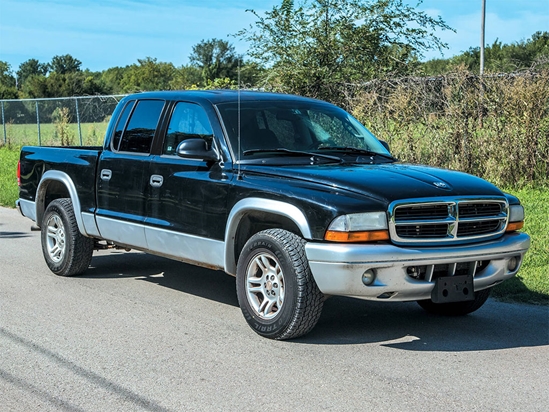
column 313, row 48
column 112, row 78
column 31, row 67
column 7, row 82
column 186, row 77
column 498, row 57
column 65, row 64
column 216, row 59
column 149, row 74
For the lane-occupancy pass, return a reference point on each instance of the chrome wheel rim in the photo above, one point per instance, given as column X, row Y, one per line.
column 265, row 285
column 55, row 238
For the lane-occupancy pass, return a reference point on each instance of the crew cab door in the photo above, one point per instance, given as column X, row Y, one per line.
column 187, row 197
column 123, row 174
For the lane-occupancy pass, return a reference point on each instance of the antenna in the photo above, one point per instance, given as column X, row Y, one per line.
column 238, row 111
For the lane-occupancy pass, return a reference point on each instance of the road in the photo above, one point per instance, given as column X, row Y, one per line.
column 142, row 333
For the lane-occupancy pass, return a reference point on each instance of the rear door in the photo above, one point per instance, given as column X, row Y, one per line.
column 123, row 174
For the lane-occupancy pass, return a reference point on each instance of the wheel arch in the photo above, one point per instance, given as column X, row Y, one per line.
column 55, row 185
column 251, row 215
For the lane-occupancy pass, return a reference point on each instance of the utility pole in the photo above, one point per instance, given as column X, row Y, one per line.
column 482, row 30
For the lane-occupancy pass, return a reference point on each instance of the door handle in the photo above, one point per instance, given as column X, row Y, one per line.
column 106, row 174
column 156, row 180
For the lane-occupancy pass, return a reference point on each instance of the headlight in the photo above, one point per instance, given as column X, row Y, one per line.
column 516, row 213
column 358, row 227
column 516, row 218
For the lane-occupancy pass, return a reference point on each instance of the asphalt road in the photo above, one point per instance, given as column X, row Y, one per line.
column 142, row 333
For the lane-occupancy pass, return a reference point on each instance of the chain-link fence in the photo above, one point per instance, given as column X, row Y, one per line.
column 57, row 121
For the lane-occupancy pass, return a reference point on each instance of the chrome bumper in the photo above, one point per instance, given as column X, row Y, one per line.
column 338, row 268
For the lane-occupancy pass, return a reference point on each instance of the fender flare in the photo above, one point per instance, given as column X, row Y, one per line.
column 244, row 206
column 61, row 177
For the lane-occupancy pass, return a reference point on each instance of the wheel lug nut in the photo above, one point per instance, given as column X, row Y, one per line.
column 275, row 285
column 272, row 277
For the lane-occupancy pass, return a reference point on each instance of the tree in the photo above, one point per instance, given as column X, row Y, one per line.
column 186, row 77
column 31, row 67
column 149, row 74
column 314, row 48
column 216, row 59
column 112, row 78
column 7, row 82
column 498, row 57
column 65, row 64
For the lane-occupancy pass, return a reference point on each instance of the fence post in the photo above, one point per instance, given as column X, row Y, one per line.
column 78, row 120
column 4, row 124
column 38, row 125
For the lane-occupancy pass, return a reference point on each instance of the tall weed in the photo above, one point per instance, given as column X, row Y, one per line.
column 496, row 127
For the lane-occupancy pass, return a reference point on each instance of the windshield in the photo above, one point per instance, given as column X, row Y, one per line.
column 310, row 127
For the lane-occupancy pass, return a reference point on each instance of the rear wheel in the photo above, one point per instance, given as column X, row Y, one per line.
column 66, row 251
column 275, row 287
column 456, row 308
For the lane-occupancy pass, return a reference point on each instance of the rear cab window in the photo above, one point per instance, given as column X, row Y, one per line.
column 135, row 135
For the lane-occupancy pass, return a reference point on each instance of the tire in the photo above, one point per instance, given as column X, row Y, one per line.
column 276, row 291
column 456, row 308
column 66, row 251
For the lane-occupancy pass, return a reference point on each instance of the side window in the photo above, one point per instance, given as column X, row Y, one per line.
column 121, row 124
column 139, row 134
column 188, row 120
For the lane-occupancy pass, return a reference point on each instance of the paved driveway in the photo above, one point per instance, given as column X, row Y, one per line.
column 139, row 332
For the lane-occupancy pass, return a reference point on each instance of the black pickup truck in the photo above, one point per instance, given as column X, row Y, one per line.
column 291, row 195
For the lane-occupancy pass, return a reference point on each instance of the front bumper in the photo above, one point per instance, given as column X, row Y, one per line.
column 338, row 268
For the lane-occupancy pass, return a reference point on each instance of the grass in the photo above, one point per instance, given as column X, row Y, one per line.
column 9, row 191
column 531, row 285
column 27, row 134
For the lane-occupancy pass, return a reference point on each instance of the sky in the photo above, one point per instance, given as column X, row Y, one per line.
column 107, row 33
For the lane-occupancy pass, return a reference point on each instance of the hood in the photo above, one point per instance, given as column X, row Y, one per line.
column 385, row 182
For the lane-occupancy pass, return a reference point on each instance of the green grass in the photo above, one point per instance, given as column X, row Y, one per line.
column 531, row 285
column 9, row 191
column 27, row 134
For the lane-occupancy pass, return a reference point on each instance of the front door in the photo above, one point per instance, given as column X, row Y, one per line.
column 187, row 209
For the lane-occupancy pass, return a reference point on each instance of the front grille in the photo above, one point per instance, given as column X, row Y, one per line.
column 479, row 209
column 426, row 231
column 421, row 212
column 478, row 228
column 422, row 221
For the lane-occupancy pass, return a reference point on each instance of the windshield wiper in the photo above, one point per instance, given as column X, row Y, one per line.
column 356, row 150
column 289, row 152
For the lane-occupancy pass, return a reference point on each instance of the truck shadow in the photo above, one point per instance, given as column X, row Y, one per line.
column 347, row 321
column 404, row 325
column 205, row 283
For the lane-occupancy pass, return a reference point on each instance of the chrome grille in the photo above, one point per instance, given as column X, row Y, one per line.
column 463, row 220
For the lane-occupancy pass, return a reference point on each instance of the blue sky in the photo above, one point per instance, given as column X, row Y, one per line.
column 107, row 33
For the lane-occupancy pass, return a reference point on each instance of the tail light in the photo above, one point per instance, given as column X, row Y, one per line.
column 19, row 173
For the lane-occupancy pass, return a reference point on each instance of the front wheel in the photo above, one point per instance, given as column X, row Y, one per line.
column 66, row 251
column 276, row 290
column 456, row 308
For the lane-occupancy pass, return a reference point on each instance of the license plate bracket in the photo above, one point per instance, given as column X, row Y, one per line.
column 453, row 289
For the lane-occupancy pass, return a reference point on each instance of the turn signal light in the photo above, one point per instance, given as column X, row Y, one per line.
column 511, row 227
column 19, row 173
column 348, row 237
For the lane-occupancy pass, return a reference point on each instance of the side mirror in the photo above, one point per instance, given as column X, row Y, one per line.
column 196, row 148
column 385, row 145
